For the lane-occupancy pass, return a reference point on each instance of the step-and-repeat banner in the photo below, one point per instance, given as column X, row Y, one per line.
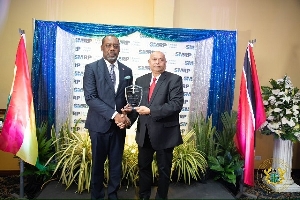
column 205, row 59
column 135, row 52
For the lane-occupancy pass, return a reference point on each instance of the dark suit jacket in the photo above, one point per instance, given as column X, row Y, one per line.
column 100, row 95
column 165, row 105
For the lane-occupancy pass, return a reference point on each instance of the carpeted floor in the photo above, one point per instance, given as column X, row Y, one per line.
column 9, row 185
column 261, row 191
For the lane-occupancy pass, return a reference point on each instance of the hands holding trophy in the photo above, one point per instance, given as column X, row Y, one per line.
column 134, row 94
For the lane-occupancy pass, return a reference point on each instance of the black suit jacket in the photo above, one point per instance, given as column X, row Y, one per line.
column 100, row 95
column 165, row 105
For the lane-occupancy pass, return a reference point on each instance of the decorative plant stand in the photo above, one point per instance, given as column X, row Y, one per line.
column 282, row 160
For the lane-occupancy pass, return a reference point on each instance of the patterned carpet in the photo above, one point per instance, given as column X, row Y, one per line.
column 264, row 194
column 9, row 185
column 261, row 191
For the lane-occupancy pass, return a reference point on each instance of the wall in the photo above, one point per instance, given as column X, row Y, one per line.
column 273, row 23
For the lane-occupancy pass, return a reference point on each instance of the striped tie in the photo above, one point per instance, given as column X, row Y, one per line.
column 112, row 74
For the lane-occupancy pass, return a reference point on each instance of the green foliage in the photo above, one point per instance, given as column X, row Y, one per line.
column 225, row 139
column 227, row 167
column 228, row 164
column 130, row 164
column 45, row 152
column 73, row 157
column 154, row 168
column 187, row 160
column 204, row 134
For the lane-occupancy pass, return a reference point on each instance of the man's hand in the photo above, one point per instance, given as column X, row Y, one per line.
column 122, row 121
column 127, row 109
column 127, row 122
column 143, row 110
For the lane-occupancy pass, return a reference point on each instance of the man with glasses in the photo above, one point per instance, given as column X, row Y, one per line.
column 104, row 83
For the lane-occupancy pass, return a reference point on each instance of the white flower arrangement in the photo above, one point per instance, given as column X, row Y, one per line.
column 282, row 106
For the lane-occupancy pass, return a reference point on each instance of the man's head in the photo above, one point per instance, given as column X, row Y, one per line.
column 157, row 63
column 110, row 48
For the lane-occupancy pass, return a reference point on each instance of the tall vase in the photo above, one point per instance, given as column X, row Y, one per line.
column 282, row 158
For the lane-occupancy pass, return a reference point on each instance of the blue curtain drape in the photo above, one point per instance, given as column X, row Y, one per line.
column 43, row 65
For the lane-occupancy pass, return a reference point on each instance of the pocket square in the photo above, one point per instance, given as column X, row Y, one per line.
column 127, row 77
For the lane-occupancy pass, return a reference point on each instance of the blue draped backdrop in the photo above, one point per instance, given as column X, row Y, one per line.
column 223, row 71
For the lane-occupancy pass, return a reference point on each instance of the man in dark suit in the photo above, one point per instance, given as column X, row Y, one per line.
column 104, row 83
column 158, row 128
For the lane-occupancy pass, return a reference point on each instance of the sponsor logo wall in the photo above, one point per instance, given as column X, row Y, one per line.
column 135, row 52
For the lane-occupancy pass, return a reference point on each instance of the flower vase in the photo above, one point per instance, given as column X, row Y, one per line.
column 282, row 160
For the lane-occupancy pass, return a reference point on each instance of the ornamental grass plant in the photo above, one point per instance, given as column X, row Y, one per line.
column 130, row 165
column 73, row 157
column 188, row 163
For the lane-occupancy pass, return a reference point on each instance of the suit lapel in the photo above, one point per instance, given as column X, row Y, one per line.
column 145, row 84
column 121, row 77
column 157, row 86
column 104, row 70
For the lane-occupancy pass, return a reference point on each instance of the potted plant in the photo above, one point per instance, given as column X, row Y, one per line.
column 205, row 140
column 73, row 157
column 187, row 161
column 130, row 165
column 39, row 174
column 228, row 164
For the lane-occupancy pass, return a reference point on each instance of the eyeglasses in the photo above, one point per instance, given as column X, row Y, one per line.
column 108, row 46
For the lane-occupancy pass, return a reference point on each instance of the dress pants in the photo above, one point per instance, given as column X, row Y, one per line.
column 164, row 162
column 111, row 145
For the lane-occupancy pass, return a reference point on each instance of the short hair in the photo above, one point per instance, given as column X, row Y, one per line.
column 110, row 35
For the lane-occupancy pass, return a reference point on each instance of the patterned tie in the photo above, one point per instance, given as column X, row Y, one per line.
column 112, row 74
column 152, row 86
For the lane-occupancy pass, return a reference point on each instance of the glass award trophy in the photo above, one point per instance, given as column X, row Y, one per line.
column 133, row 94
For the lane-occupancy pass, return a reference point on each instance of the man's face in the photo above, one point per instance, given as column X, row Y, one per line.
column 157, row 62
column 110, row 48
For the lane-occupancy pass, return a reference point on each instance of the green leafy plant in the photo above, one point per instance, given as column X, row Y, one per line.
column 154, row 168
column 227, row 167
column 187, row 160
column 225, row 138
column 205, row 140
column 228, row 164
column 130, row 164
column 45, row 151
column 73, row 157
column 38, row 175
column 205, row 136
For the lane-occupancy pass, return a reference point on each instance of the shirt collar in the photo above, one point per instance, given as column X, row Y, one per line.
column 108, row 65
column 155, row 77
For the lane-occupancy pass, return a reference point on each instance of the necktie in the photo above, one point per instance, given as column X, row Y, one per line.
column 152, row 86
column 112, row 74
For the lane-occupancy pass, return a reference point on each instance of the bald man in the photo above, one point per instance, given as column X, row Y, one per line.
column 158, row 128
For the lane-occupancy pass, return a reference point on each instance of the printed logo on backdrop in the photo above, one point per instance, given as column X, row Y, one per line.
column 135, row 52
